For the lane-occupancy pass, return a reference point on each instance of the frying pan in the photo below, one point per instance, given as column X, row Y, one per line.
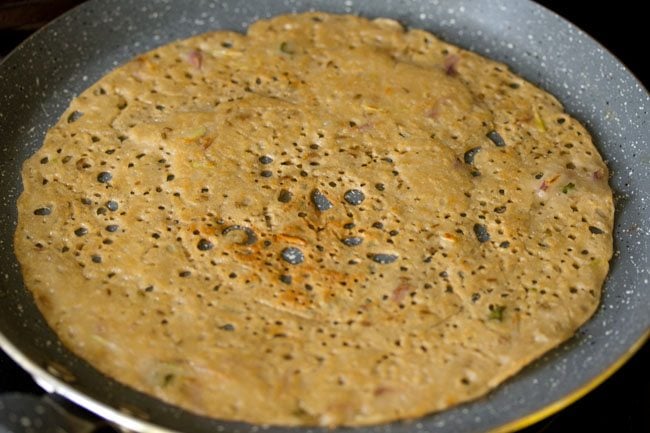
column 40, row 77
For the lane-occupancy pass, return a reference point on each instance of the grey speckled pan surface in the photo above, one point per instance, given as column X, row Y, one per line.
column 41, row 76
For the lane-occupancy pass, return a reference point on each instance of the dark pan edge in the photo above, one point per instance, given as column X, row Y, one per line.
column 54, row 385
column 576, row 395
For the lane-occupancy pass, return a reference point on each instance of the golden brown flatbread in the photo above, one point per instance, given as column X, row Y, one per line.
column 329, row 220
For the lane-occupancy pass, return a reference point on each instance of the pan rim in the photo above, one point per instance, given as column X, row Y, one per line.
column 54, row 385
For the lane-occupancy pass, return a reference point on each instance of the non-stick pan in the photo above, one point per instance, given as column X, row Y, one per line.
column 41, row 76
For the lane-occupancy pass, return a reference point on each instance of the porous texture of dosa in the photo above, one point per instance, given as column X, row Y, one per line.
column 155, row 221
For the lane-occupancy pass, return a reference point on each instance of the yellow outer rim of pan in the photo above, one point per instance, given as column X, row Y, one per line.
column 565, row 401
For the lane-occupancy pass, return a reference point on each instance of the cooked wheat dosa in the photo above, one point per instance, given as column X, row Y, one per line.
column 329, row 220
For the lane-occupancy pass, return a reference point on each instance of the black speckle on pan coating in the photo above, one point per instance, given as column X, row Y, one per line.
column 496, row 138
column 74, row 116
column 104, row 177
column 112, row 205
column 352, row 241
column 481, row 233
column 383, row 258
column 293, row 255
column 265, row 159
column 320, row 201
column 354, row 197
column 204, row 245
column 468, row 157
